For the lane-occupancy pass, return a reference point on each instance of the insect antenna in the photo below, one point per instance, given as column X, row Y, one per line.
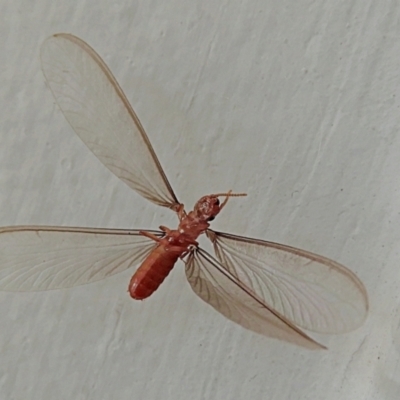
column 227, row 195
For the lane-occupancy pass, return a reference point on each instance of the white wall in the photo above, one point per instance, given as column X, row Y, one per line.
column 295, row 102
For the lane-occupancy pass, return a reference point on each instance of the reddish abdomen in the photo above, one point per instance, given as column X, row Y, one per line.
column 151, row 273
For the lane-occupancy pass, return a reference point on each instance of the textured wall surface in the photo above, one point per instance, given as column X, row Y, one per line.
column 295, row 103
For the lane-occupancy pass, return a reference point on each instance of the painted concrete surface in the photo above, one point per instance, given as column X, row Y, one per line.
column 295, row 103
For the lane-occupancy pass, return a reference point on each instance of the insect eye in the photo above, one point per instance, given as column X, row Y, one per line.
column 217, row 201
column 210, row 219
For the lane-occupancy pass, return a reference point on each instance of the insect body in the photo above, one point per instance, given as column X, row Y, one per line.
column 175, row 244
column 267, row 287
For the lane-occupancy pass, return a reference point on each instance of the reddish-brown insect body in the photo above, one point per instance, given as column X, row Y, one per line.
column 174, row 245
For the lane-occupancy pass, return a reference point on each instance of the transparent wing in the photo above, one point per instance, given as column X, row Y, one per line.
column 36, row 258
column 311, row 291
column 217, row 287
column 99, row 112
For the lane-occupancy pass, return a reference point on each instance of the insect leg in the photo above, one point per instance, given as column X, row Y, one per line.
column 150, row 236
